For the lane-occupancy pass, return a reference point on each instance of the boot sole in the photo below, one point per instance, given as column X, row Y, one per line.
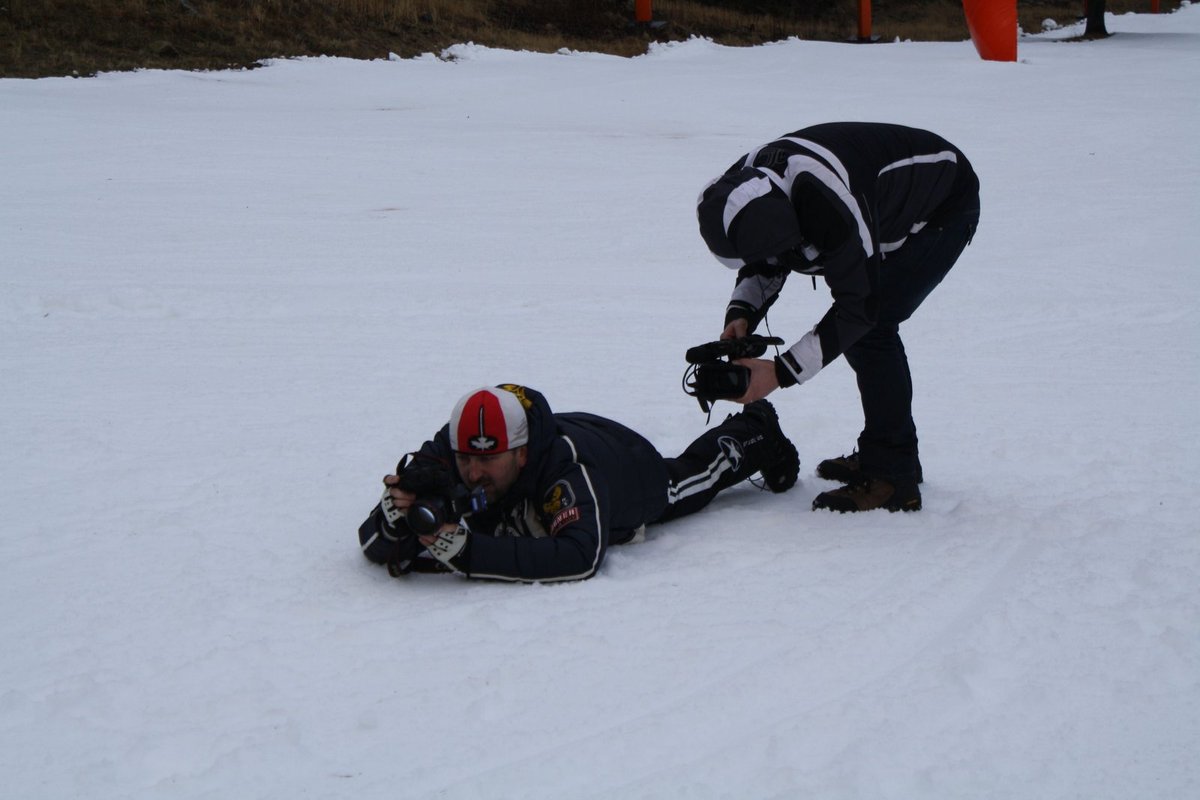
column 843, row 505
column 853, row 509
column 790, row 480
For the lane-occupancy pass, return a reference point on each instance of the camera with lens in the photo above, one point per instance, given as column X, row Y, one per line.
column 712, row 375
column 427, row 515
column 439, row 498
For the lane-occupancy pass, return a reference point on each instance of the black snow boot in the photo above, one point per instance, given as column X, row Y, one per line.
column 775, row 456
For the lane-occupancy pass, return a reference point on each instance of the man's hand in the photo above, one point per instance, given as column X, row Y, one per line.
column 737, row 329
column 395, row 500
column 449, row 542
column 762, row 377
column 385, row 537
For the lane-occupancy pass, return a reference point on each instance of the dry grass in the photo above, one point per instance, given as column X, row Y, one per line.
column 60, row 37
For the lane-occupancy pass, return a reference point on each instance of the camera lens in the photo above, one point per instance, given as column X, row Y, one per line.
column 423, row 519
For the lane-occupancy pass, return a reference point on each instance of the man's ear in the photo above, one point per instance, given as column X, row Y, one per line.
column 522, row 455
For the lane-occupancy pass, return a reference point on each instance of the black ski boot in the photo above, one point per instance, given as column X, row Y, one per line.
column 775, row 457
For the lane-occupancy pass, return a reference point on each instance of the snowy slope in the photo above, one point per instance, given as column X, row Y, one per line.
column 229, row 301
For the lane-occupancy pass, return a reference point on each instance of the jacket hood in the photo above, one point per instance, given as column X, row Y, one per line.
column 745, row 217
column 542, row 430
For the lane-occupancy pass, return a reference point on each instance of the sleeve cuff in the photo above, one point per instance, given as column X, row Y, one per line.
column 738, row 311
column 784, row 375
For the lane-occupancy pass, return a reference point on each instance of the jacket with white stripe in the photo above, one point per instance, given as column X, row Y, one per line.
column 588, row 482
column 857, row 191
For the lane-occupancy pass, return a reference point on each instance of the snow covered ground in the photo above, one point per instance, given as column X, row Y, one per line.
column 229, row 302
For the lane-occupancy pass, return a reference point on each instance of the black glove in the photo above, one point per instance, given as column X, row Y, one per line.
column 385, row 536
column 386, row 539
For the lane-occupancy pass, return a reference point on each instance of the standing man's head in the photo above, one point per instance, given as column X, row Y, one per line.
column 746, row 217
column 489, row 434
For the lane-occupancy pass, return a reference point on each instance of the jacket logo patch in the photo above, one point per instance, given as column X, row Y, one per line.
column 559, row 497
column 564, row 518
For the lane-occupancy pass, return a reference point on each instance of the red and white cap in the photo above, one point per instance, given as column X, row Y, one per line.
column 488, row 421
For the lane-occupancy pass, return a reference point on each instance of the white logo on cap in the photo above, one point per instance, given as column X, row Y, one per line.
column 482, row 441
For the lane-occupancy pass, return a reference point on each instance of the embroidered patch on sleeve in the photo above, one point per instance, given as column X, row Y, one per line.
column 559, row 497
column 564, row 518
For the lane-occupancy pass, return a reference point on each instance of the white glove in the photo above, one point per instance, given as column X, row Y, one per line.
column 447, row 545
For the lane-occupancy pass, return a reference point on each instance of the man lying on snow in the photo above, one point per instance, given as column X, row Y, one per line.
column 509, row 490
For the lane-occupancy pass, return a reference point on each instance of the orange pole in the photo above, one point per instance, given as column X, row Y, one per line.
column 993, row 27
column 864, row 20
column 641, row 10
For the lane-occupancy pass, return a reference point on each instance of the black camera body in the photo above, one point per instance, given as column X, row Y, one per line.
column 439, row 498
column 427, row 515
column 710, row 378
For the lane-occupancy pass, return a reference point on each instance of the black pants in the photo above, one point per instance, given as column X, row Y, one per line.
column 724, row 456
column 887, row 446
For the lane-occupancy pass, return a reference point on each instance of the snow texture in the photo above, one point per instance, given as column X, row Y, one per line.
column 231, row 300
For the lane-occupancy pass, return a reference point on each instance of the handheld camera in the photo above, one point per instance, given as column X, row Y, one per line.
column 439, row 498
column 710, row 378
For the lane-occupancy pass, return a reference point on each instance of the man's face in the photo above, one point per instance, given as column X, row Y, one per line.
column 495, row 473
